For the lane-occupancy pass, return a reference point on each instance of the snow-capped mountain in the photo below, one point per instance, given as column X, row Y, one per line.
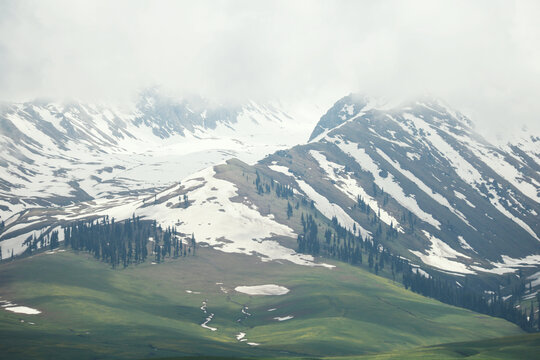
column 56, row 154
column 414, row 177
column 462, row 204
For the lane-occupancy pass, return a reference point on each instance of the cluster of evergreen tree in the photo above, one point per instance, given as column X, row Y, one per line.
column 344, row 245
column 282, row 191
column 466, row 297
column 308, row 241
column 348, row 246
column 127, row 242
column 261, row 188
column 42, row 241
column 374, row 218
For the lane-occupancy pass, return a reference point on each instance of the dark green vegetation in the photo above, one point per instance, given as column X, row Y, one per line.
column 127, row 242
column 506, row 348
column 90, row 310
column 511, row 347
column 123, row 243
column 321, row 236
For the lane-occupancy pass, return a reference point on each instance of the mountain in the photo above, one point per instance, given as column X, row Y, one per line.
column 414, row 177
column 56, row 154
column 302, row 253
column 468, row 206
column 157, row 310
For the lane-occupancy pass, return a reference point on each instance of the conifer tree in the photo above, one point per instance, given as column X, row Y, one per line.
column 289, row 210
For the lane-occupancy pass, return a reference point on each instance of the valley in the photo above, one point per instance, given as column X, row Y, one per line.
column 89, row 310
column 292, row 249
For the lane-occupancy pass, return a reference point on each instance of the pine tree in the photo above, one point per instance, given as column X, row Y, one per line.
column 193, row 243
column 531, row 316
column 538, row 301
column 289, row 210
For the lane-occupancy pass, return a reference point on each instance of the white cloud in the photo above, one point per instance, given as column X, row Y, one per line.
column 483, row 57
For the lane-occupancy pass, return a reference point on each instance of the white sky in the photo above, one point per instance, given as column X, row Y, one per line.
column 482, row 57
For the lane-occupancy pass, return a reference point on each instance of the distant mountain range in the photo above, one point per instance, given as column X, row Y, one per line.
column 56, row 154
column 415, row 177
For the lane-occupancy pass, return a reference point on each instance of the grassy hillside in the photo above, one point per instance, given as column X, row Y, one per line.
column 505, row 348
column 92, row 311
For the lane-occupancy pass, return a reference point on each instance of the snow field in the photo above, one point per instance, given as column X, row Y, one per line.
column 388, row 184
column 322, row 204
column 269, row 289
column 350, row 187
column 440, row 256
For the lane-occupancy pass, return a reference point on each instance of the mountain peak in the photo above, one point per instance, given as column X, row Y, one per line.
column 355, row 106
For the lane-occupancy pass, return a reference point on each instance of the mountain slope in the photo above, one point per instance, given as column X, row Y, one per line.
column 58, row 154
column 390, row 176
column 416, row 178
column 150, row 310
column 470, row 199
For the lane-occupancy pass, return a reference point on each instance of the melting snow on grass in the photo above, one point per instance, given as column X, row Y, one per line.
column 284, row 318
column 208, row 319
column 228, row 226
column 439, row 255
column 269, row 289
column 23, row 310
column 9, row 306
column 205, row 324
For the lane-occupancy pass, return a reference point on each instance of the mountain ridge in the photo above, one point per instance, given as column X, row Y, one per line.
column 420, row 169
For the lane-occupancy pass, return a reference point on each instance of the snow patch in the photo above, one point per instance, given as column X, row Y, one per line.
column 464, row 198
column 23, row 310
column 439, row 255
column 269, row 289
column 510, row 264
column 464, row 243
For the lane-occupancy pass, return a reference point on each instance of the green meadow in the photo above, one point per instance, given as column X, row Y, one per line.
column 154, row 311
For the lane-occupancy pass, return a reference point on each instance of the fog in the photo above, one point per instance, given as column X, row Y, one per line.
column 481, row 57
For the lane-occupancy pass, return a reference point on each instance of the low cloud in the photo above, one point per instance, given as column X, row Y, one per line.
column 482, row 57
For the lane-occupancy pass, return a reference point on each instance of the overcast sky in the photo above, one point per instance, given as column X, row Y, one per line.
column 482, row 57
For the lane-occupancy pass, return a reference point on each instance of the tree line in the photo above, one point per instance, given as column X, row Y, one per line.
column 341, row 244
column 118, row 243
column 128, row 242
